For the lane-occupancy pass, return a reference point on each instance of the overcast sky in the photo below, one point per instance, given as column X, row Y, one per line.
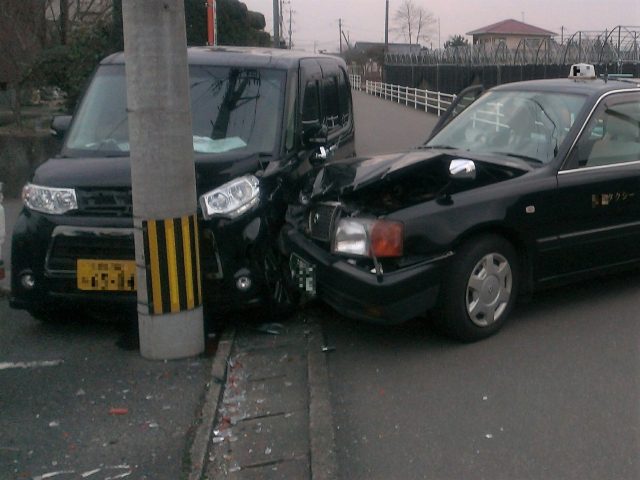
column 315, row 22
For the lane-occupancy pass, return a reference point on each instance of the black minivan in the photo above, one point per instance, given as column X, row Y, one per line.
column 262, row 119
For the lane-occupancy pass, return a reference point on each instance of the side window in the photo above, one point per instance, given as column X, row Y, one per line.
column 310, row 105
column 330, row 102
column 612, row 135
column 344, row 96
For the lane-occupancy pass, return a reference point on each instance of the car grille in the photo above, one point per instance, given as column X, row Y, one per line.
column 65, row 250
column 111, row 202
column 322, row 218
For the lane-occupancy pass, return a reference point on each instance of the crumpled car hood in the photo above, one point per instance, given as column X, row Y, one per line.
column 350, row 176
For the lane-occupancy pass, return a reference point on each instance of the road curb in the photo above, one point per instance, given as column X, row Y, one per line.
column 200, row 446
column 324, row 464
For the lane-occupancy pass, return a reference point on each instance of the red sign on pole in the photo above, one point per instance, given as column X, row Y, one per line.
column 211, row 23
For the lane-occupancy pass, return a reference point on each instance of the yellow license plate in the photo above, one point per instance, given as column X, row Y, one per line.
column 106, row 275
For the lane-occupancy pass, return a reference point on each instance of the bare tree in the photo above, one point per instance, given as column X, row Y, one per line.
column 413, row 22
column 65, row 15
column 22, row 37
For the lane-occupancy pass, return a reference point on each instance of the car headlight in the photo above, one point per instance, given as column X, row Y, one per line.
column 231, row 199
column 368, row 238
column 54, row 201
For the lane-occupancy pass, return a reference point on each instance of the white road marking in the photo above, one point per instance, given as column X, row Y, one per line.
column 46, row 363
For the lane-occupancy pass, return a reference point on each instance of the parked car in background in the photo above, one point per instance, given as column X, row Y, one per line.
column 532, row 184
column 261, row 119
column 2, row 234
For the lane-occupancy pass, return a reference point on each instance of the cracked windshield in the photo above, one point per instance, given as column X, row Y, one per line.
column 233, row 110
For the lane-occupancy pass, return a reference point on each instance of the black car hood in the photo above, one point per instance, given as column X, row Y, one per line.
column 353, row 175
column 115, row 172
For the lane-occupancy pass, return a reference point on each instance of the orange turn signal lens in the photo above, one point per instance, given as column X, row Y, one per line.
column 387, row 238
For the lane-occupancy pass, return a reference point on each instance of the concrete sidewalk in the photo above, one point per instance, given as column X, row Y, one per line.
column 273, row 420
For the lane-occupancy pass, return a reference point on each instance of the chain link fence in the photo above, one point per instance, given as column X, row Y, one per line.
column 451, row 69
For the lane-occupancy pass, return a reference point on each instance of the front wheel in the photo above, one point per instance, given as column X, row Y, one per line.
column 282, row 295
column 480, row 288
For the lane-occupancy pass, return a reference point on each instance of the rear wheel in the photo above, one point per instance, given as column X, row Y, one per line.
column 480, row 289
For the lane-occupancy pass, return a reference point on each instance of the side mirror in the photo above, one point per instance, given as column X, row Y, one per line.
column 461, row 169
column 60, row 125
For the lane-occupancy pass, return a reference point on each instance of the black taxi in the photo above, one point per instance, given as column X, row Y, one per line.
column 526, row 185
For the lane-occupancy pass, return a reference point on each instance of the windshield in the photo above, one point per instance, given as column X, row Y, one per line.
column 524, row 124
column 233, row 109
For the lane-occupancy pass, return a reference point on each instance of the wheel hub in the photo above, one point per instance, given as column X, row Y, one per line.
column 489, row 289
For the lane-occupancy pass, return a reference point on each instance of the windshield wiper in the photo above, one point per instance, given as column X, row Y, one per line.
column 521, row 157
column 443, row 147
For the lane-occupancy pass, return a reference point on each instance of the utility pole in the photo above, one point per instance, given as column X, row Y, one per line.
column 386, row 28
column 212, row 26
column 276, row 23
column 386, row 40
column 290, row 27
column 340, row 26
column 64, row 21
column 163, row 180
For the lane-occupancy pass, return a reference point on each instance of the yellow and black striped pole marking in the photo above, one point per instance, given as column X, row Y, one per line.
column 173, row 264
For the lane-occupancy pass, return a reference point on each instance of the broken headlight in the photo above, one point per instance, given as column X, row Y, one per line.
column 368, row 238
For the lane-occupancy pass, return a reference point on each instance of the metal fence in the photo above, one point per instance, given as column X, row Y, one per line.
column 356, row 81
column 427, row 100
column 612, row 46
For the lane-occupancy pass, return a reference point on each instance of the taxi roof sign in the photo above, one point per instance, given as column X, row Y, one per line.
column 582, row 71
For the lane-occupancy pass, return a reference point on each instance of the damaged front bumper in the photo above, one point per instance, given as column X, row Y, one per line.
column 392, row 298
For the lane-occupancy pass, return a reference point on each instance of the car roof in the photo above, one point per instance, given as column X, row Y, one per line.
column 590, row 87
column 241, row 56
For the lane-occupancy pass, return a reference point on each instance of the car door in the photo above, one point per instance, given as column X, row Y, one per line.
column 337, row 109
column 598, row 197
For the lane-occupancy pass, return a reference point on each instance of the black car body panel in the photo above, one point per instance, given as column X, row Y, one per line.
column 563, row 218
column 47, row 246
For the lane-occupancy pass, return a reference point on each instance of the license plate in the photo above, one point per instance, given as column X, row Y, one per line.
column 106, row 275
column 303, row 273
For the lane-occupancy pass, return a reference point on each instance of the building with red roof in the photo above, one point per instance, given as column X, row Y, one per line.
column 511, row 32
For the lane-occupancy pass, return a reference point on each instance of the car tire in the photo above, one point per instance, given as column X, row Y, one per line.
column 283, row 298
column 480, row 289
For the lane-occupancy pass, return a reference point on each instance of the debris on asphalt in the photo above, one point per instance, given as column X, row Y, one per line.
column 118, row 411
column 45, row 476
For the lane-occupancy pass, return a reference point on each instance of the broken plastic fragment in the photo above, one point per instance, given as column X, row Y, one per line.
column 267, row 451
column 118, row 411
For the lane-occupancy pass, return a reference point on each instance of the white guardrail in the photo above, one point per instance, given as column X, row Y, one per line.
column 427, row 100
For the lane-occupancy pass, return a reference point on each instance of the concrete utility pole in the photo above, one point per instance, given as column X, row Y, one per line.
column 163, row 179
column 340, row 26
column 276, row 23
column 386, row 28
